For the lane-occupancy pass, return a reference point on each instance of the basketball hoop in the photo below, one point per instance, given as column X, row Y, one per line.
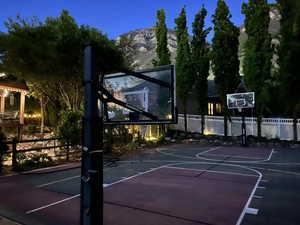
column 241, row 101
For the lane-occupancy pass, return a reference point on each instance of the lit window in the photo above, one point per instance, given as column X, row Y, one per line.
column 210, row 109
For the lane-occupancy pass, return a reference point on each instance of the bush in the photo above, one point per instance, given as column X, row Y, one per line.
column 31, row 161
column 32, row 128
column 70, row 128
column 3, row 147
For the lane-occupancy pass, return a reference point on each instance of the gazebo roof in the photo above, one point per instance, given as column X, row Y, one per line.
column 12, row 84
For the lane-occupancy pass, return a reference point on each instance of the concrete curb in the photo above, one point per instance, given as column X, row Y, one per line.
column 4, row 221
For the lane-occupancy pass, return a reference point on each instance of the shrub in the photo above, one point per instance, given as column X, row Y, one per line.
column 32, row 128
column 70, row 128
column 3, row 147
column 34, row 160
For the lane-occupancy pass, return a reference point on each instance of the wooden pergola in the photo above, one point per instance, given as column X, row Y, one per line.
column 7, row 86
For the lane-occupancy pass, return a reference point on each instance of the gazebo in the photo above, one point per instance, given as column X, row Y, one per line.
column 8, row 85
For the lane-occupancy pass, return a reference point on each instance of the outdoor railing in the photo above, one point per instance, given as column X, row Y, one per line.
column 9, row 115
column 41, row 145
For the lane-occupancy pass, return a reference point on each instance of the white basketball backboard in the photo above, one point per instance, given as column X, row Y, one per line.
column 241, row 100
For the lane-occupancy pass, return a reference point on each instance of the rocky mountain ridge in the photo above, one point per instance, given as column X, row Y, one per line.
column 142, row 42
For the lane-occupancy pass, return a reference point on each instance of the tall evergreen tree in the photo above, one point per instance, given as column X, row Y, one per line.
column 200, row 59
column 224, row 56
column 161, row 32
column 162, row 51
column 289, row 55
column 184, row 71
column 258, row 54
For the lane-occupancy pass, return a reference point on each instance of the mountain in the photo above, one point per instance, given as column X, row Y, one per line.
column 140, row 44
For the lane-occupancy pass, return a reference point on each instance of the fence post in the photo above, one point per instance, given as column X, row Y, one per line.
column 68, row 151
column 14, row 154
column 278, row 128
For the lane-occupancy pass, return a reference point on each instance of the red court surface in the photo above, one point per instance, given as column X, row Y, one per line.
column 178, row 196
column 251, row 153
column 163, row 196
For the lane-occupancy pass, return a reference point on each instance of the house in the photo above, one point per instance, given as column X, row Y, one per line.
column 9, row 85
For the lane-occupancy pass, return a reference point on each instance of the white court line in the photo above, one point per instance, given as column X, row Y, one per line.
column 235, row 161
column 260, row 187
column 61, row 201
column 198, row 156
column 223, row 155
column 65, row 179
column 189, row 157
column 250, row 199
column 281, row 163
column 57, row 181
column 49, row 168
column 182, row 163
column 52, row 204
column 256, row 196
column 210, row 150
column 139, row 174
column 252, row 211
column 213, row 171
column 136, row 175
column 276, row 171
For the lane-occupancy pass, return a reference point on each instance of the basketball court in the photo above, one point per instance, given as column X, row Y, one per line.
column 186, row 184
column 167, row 185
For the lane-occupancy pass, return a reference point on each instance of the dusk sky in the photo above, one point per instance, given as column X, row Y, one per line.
column 116, row 17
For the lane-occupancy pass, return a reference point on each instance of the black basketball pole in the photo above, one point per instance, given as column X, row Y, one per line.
column 91, row 205
column 244, row 135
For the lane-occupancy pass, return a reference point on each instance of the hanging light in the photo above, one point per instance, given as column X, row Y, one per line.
column 11, row 99
column 6, row 92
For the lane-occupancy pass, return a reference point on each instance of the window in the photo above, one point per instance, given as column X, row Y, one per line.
column 210, row 109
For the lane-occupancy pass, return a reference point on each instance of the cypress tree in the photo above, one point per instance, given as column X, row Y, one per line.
column 162, row 51
column 184, row 71
column 161, row 31
column 224, row 55
column 289, row 55
column 258, row 54
column 200, row 59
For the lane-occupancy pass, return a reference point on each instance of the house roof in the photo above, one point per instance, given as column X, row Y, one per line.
column 12, row 84
column 211, row 89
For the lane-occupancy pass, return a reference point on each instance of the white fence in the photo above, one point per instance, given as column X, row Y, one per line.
column 270, row 127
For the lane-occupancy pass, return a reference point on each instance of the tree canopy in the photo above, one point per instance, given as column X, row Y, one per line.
column 258, row 51
column 49, row 56
column 184, row 70
column 224, row 55
column 161, row 32
column 200, row 58
column 289, row 55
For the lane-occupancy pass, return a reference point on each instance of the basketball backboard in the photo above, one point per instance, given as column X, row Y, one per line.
column 241, row 100
column 140, row 97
